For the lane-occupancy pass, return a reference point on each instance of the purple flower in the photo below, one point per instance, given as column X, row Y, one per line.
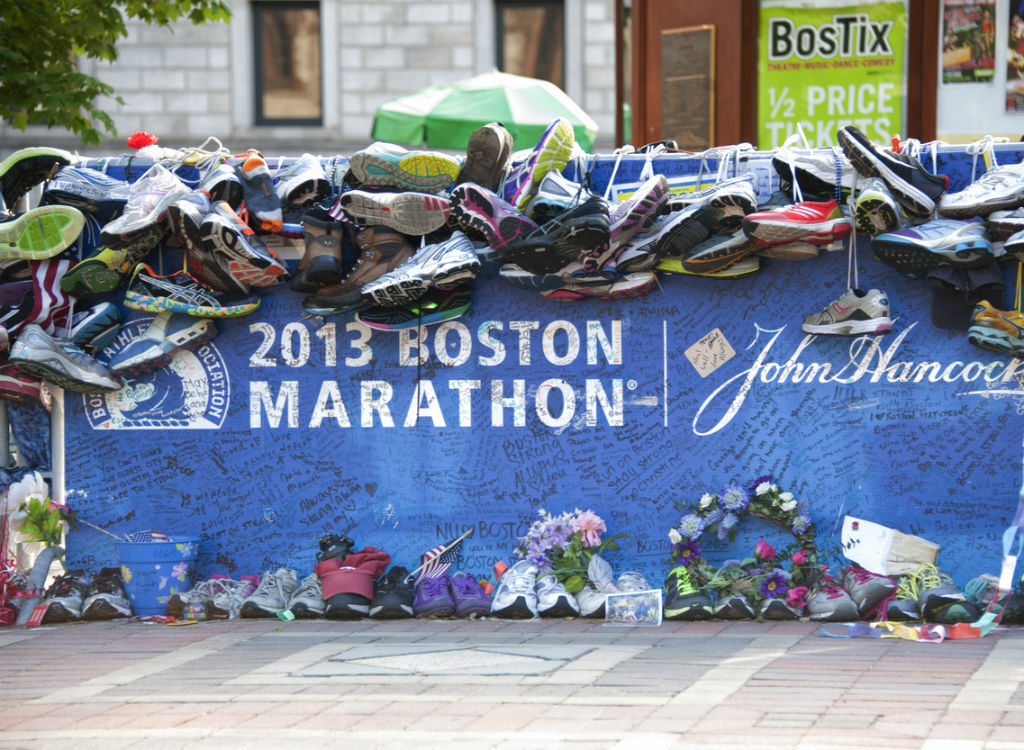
column 728, row 521
column 775, row 586
column 713, row 517
column 800, row 524
column 688, row 553
column 734, row 498
column 691, row 526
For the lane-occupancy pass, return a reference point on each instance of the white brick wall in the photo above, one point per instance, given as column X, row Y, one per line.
column 185, row 85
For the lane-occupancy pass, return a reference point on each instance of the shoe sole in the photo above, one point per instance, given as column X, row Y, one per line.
column 682, row 234
column 590, row 241
column 875, row 216
column 428, row 173
column 244, row 265
column 767, row 232
column 59, row 377
column 439, row 316
column 27, row 167
column 409, row 213
column 41, row 233
column 719, row 258
column 476, row 211
column 791, row 251
column 869, row 164
column 19, row 391
column 149, row 303
column 163, row 353
column 851, row 327
column 91, row 277
column 995, row 340
column 627, row 289
column 914, row 260
column 300, row 191
column 747, row 266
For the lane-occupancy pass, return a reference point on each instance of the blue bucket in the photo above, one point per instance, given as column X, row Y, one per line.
column 152, row 571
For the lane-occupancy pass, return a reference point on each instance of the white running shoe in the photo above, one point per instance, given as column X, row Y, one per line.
column 1000, row 188
column 516, row 595
column 147, row 205
column 553, row 600
column 855, row 313
column 272, row 595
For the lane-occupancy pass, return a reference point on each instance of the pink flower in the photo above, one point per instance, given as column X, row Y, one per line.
column 764, row 551
column 800, row 556
column 796, row 596
column 590, row 526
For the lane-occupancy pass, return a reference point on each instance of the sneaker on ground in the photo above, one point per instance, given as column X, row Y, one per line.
column 302, row 182
column 433, row 599
column 469, row 597
column 147, row 206
column 911, row 184
column 631, row 581
column 999, row 189
column 272, row 595
column 387, row 165
column 555, row 194
column 487, row 155
column 683, row 600
column 199, row 595
column 436, row 306
column 935, row 590
column 628, row 286
column 40, row 232
column 902, row 606
column 997, row 330
column 180, row 292
column 828, row 601
column 93, row 329
column 590, row 602
column 727, row 202
column 733, row 607
column 229, row 595
column 88, row 190
column 107, row 268
column 158, row 345
column 819, row 223
column 393, row 595
column 636, row 213
column 65, row 596
column 941, row 242
column 442, row 265
column 248, row 259
column 866, row 589
column 780, row 609
column 551, row 153
column 553, row 599
column 222, row 183
column 27, row 167
column 406, row 212
column 306, row 602
column 481, row 211
column 515, row 598
column 61, row 362
column 876, row 211
column 855, row 313
column 106, row 599
column 580, row 234
column 261, row 201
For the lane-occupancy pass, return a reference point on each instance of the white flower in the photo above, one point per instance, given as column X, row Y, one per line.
column 786, row 496
column 674, row 536
column 788, row 505
column 706, row 500
column 764, row 488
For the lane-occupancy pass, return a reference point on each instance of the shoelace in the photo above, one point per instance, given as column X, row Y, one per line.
column 984, row 147
column 930, row 577
column 684, row 585
column 831, row 587
column 464, row 586
column 519, row 581
column 434, row 587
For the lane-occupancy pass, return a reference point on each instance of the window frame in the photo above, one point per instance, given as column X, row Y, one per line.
column 499, row 31
column 260, row 119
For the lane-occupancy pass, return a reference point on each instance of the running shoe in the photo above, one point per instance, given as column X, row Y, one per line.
column 876, row 211
column 555, row 194
column 579, row 234
column 88, row 190
column 27, row 167
column 816, row 222
column 302, row 182
column 855, row 313
column 683, row 230
column 997, row 330
column 161, row 341
column 551, row 153
column 407, row 212
column 487, row 155
column 941, row 242
column 999, row 189
column 480, row 211
column 146, row 207
column 637, row 212
column 248, row 259
column 180, row 292
column 516, row 594
column 95, row 328
column 222, row 183
column 107, row 268
column 40, row 232
column 817, row 173
column 60, row 361
column 1005, row 224
column 435, row 306
column 572, row 275
column 828, row 601
column 387, row 165
column 684, row 600
column 258, row 191
column 727, row 201
column 440, row 265
column 718, row 252
column 630, row 286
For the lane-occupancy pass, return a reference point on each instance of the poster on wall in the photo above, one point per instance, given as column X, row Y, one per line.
column 968, row 41
column 1015, row 59
column 824, row 67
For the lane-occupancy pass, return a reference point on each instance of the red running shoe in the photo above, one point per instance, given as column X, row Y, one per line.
column 809, row 221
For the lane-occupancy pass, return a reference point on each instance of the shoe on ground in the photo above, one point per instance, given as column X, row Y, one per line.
column 727, row 202
column 515, row 597
column 272, row 595
column 469, row 597
column 733, row 607
column 166, row 336
column 201, row 595
column 628, row 286
column 816, row 222
column 551, row 153
column 956, row 612
column 480, row 211
column 88, row 190
column 27, row 167
column 780, row 609
column 902, row 606
column 632, row 581
column 393, row 595
column 591, row 602
column 828, row 601
column 61, row 362
column 247, row 258
column 388, row 165
column 407, row 212
column 302, row 182
column 146, row 207
column 106, row 599
column 487, row 155
column 911, row 184
column 435, row 306
column 433, row 599
column 65, row 596
column 181, row 292
column 95, row 328
column 553, row 600
column 580, row 234
column 40, row 233
column 228, row 596
column 876, row 211
column 935, row 590
column 997, row 330
column 866, row 589
column 854, row 314
column 999, row 189
column 259, row 193
column 444, row 264
column 306, row 602
column 683, row 600
column 941, row 242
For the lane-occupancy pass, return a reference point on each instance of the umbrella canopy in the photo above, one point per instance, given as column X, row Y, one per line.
column 444, row 116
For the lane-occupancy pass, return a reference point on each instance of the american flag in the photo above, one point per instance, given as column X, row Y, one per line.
column 437, row 560
column 148, row 536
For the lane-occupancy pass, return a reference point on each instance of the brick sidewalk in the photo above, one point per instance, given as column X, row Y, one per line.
column 502, row 684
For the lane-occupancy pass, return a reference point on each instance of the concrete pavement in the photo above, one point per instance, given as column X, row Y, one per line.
column 502, row 684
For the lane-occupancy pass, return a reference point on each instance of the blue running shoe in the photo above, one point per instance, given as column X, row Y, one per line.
column 180, row 292
column 160, row 343
column 88, row 190
column 95, row 328
column 941, row 242
column 551, row 154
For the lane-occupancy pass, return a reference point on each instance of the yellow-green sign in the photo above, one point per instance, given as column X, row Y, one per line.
column 821, row 68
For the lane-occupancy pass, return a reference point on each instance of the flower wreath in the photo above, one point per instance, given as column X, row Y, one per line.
column 768, row 574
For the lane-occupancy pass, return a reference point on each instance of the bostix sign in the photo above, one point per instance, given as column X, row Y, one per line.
column 821, row 68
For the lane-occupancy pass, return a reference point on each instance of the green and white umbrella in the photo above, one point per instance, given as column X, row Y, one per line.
column 444, row 116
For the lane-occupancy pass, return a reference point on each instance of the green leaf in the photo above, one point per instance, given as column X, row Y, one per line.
column 574, row 584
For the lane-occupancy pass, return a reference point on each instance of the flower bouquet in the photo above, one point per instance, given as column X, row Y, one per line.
column 563, row 545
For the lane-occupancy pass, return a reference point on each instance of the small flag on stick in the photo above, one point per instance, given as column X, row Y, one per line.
column 437, row 560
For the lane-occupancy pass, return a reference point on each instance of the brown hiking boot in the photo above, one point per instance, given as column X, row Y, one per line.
column 380, row 250
column 321, row 265
column 487, row 155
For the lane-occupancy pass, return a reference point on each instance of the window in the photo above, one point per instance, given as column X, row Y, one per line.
column 531, row 39
column 287, row 55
